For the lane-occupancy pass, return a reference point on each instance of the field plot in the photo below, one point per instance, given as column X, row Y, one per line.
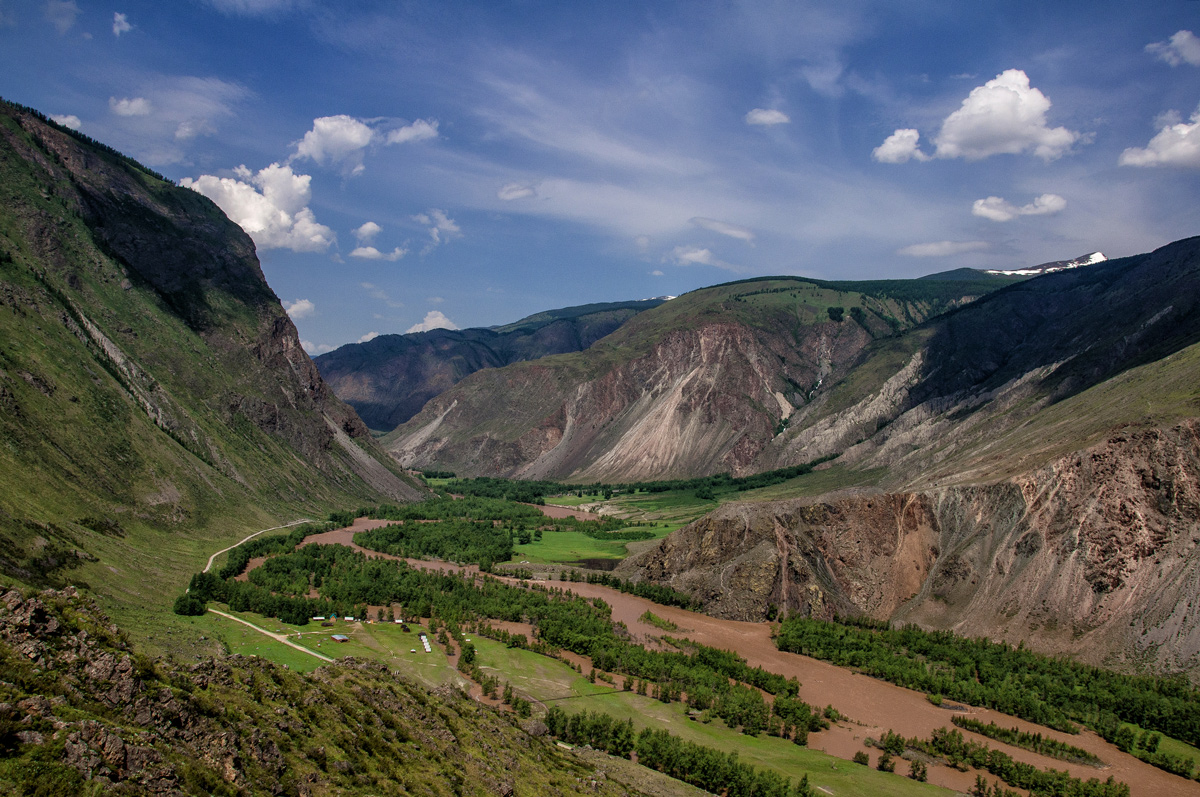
column 575, row 547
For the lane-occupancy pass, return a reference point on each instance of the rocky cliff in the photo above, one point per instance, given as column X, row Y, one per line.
column 388, row 379
column 699, row 385
column 150, row 381
column 1093, row 555
column 907, row 376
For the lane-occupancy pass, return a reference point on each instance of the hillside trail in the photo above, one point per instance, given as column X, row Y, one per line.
column 870, row 706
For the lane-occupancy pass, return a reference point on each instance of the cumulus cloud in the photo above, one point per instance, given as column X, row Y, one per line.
column 997, row 209
column 129, row 106
column 434, row 319
column 61, row 14
column 120, row 24
column 419, row 130
column 657, row 273
column 67, row 120
column 371, row 253
column 271, row 206
column 1005, row 116
column 763, row 116
column 441, row 227
column 368, row 337
column 510, row 191
column 695, row 255
column 314, row 349
column 300, row 308
column 899, row 147
column 1182, row 48
column 366, row 233
column 1176, row 144
column 942, row 248
column 335, row 139
column 724, row 228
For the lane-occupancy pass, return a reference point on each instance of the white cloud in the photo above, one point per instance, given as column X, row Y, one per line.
column 1176, row 144
column 942, row 248
column 441, row 227
column 899, row 147
column 656, row 273
column 435, row 300
column 510, row 191
column 129, row 106
column 1003, row 116
column 370, row 336
column 434, row 319
column 1182, row 48
column 314, row 349
column 61, row 14
column 300, row 308
column 419, row 130
column 120, row 24
column 67, row 120
column 695, row 255
column 271, row 206
column 190, row 128
column 371, row 253
column 763, row 116
column 724, row 228
column 335, row 139
column 997, row 209
column 251, row 8
column 378, row 293
column 367, row 232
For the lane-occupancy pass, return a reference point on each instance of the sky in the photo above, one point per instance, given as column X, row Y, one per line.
column 408, row 165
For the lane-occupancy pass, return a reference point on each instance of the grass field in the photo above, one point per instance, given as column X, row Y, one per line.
column 1169, row 745
column 567, row 547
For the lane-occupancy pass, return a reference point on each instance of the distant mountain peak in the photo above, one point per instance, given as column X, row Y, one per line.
column 1049, row 268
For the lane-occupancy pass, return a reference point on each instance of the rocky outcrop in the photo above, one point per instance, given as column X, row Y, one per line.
column 1094, row 555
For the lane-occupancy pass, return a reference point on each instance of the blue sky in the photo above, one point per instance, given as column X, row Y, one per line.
column 408, row 164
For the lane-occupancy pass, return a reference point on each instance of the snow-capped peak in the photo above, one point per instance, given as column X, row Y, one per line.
column 1050, row 268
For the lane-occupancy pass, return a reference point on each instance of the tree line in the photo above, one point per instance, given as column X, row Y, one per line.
column 1054, row 692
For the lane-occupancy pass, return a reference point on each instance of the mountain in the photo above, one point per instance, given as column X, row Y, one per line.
column 700, row 385
column 1057, row 265
column 156, row 400
column 1027, row 468
column 388, row 379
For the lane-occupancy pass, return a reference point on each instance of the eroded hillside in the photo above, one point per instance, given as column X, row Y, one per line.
column 1093, row 555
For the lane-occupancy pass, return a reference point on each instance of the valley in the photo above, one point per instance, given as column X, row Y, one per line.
column 741, row 539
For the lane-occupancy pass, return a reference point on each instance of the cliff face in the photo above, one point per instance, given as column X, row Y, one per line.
column 770, row 374
column 150, row 379
column 1094, row 555
column 388, row 379
column 700, row 385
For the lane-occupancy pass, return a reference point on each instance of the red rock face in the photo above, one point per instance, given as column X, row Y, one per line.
column 1094, row 555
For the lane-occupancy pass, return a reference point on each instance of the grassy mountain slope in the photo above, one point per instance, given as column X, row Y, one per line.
column 697, row 385
column 81, row 712
column 156, row 401
column 388, row 379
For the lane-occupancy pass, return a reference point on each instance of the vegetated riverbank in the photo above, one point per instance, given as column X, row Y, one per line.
column 872, row 706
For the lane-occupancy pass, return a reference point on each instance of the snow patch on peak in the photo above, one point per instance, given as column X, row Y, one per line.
column 1049, row 268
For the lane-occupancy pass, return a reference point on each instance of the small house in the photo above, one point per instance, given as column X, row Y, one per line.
column 340, row 638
